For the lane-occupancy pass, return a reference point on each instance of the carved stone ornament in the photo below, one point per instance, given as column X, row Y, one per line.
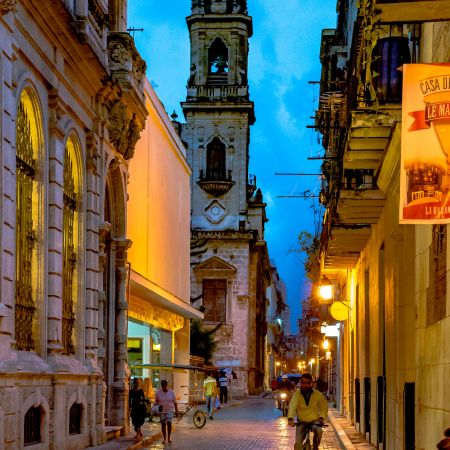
column 7, row 6
column 215, row 211
column 119, row 53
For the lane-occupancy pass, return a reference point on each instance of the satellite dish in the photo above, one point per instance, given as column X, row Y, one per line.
column 340, row 310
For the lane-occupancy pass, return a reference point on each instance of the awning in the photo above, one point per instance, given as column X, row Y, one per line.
column 146, row 290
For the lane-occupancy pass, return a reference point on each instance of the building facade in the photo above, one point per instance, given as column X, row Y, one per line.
column 72, row 101
column 390, row 279
column 230, row 268
column 159, row 307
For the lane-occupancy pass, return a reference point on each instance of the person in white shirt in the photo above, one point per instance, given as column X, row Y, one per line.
column 223, row 388
column 167, row 402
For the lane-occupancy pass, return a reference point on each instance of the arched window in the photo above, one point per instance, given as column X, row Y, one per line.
column 215, row 161
column 71, row 191
column 76, row 410
column 32, row 426
column 218, row 57
column 28, row 144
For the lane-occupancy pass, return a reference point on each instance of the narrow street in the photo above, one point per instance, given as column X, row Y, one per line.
column 252, row 424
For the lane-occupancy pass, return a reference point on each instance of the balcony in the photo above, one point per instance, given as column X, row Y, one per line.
column 217, row 93
column 395, row 11
column 125, row 63
column 215, row 182
column 342, row 244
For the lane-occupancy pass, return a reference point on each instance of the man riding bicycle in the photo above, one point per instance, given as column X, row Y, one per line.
column 311, row 409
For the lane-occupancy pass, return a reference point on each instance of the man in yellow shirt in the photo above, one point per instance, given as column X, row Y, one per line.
column 311, row 409
column 210, row 393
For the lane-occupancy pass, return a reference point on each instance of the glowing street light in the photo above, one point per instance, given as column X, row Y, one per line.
column 326, row 289
column 326, row 344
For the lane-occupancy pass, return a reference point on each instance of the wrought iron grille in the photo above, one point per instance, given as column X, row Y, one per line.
column 69, row 256
column 25, row 235
column 32, row 426
column 76, row 410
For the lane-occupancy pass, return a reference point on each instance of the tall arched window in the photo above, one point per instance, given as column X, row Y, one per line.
column 215, row 161
column 218, row 57
column 28, row 145
column 71, row 191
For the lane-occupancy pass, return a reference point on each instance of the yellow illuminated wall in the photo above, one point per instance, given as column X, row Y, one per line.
column 159, row 204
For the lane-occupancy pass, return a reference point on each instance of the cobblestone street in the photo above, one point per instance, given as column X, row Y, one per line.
column 253, row 424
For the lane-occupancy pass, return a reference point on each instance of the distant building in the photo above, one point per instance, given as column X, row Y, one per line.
column 72, row 102
column 230, row 267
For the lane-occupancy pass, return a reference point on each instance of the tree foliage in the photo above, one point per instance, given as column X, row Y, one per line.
column 202, row 341
column 310, row 246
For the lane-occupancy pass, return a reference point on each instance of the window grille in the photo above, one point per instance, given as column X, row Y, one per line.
column 214, row 300
column 75, row 413
column 32, row 426
column 69, row 256
column 25, row 235
column 437, row 290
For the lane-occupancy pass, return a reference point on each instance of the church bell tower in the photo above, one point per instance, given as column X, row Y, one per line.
column 218, row 114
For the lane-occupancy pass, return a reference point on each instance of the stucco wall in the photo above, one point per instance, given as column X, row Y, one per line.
column 159, row 204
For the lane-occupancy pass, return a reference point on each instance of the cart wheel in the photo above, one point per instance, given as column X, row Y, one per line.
column 199, row 419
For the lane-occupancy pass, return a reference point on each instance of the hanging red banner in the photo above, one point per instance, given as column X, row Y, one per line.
column 425, row 152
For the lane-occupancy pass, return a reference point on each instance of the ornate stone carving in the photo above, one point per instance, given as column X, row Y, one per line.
column 7, row 6
column 123, row 132
column 118, row 53
column 125, row 62
column 215, row 211
column 92, row 143
column 56, row 112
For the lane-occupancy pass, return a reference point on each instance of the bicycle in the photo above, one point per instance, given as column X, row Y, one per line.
column 199, row 416
column 307, row 445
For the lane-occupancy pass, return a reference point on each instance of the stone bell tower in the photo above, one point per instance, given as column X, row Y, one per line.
column 218, row 114
column 227, row 219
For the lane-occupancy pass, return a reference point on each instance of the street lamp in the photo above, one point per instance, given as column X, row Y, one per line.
column 326, row 289
column 311, row 362
column 326, row 344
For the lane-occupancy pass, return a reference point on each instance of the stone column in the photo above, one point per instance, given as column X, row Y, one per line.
column 7, row 186
column 121, row 382
column 93, row 269
column 55, row 224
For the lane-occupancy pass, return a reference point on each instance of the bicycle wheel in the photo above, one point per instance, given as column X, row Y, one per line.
column 199, row 419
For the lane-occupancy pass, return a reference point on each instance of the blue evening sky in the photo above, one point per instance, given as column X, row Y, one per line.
column 284, row 56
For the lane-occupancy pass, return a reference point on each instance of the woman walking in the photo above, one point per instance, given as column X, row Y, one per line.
column 138, row 407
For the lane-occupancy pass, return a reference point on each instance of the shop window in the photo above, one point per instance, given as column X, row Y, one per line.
column 32, row 426
column 214, row 300
column 76, row 410
column 135, row 355
column 437, row 290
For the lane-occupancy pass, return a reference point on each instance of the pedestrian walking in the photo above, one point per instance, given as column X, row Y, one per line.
column 167, row 402
column 138, row 407
column 223, row 388
column 210, row 393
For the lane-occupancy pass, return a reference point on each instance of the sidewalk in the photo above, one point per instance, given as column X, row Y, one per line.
column 349, row 438
column 152, row 432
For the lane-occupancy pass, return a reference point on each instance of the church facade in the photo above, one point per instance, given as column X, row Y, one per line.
column 230, row 264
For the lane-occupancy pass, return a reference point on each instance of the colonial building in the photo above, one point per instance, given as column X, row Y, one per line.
column 159, row 227
column 72, row 102
column 390, row 279
column 231, row 270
